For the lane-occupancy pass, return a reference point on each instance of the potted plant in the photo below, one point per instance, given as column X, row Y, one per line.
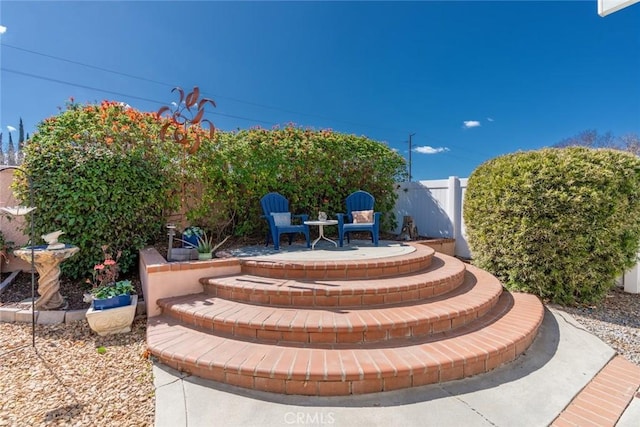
column 207, row 246
column 107, row 291
column 113, row 295
column 113, row 306
column 204, row 244
column 189, row 241
column 190, row 236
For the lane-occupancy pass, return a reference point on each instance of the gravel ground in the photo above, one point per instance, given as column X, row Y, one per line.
column 67, row 380
column 616, row 321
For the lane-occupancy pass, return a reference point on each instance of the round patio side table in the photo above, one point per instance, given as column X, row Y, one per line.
column 321, row 225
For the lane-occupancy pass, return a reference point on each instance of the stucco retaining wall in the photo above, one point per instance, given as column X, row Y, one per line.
column 11, row 226
column 162, row 279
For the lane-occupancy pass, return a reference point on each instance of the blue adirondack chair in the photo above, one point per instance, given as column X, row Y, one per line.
column 358, row 201
column 275, row 209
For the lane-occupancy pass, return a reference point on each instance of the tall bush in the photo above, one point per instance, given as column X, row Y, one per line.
column 100, row 174
column 560, row 223
column 103, row 174
column 314, row 169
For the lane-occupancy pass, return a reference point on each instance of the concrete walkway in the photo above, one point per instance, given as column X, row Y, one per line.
column 532, row 391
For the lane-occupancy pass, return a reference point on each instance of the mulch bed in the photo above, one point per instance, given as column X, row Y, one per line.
column 74, row 377
column 72, row 291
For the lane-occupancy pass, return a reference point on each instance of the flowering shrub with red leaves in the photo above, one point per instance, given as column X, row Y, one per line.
column 101, row 173
column 110, row 174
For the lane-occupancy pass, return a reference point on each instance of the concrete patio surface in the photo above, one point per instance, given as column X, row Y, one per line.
column 325, row 251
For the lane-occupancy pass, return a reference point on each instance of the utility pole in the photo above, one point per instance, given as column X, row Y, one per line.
column 410, row 150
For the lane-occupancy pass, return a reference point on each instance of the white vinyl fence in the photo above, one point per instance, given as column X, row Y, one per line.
column 436, row 208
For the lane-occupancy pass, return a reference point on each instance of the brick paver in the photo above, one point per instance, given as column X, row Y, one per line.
column 604, row 399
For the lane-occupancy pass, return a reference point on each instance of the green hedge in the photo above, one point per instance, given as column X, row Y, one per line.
column 560, row 223
column 315, row 170
column 100, row 174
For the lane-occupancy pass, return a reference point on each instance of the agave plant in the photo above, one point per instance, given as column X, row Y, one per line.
column 206, row 244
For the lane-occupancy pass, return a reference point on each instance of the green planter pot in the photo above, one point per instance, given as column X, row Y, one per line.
column 204, row 256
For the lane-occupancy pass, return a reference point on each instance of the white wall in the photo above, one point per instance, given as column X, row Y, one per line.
column 436, row 208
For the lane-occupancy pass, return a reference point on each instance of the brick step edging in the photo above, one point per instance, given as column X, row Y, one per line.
column 497, row 338
column 345, row 325
column 603, row 400
column 246, row 321
column 443, row 275
column 371, row 268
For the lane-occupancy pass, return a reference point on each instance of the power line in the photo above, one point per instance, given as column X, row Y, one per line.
column 160, row 103
column 88, row 65
column 254, row 104
column 155, row 101
column 50, row 79
column 173, row 85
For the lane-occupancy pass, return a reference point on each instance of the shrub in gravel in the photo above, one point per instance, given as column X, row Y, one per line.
column 560, row 223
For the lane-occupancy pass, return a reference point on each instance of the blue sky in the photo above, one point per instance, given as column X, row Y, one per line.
column 471, row 80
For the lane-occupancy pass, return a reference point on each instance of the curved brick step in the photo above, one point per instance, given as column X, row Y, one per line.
column 342, row 369
column 371, row 268
column 443, row 275
column 478, row 294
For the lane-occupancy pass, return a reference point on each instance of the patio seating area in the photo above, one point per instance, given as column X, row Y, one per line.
column 359, row 217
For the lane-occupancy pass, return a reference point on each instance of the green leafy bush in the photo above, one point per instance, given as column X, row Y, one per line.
column 315, row 170
column 100, row 174
column 560, row 223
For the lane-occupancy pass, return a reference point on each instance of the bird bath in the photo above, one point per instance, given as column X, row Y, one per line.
column 47, row 263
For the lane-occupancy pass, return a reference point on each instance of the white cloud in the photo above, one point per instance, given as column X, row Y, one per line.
column 425, row 149
column 3, row 29
column 11, row 128
column 471, row 124
column 489, row 119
